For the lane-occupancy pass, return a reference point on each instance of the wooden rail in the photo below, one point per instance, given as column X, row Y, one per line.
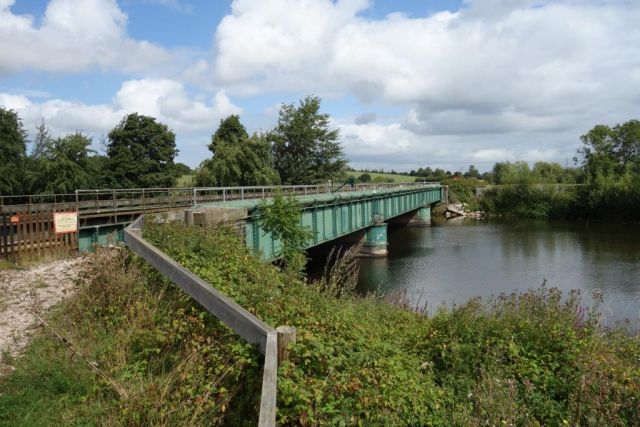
column 270, row 342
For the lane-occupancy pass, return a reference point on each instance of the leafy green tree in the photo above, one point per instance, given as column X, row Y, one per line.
column 305, row 149
column 62, row 166
column 472, row 172
column 13, row 152
column 609, row 150
column 512, row 173
column 244, row 161
column 230, row 130
column 281, row 216
column 365, row 177
column 141, row 153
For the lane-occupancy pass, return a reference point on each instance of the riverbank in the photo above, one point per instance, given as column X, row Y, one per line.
column 602, row 200
column 523, row 359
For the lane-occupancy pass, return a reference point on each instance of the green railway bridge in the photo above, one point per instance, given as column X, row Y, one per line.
column 358, row 213
column 360, row 216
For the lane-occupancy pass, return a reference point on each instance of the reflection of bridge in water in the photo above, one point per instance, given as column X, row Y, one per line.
column 364, row 209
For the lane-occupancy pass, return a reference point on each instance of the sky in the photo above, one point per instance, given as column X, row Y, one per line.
column 409, row 83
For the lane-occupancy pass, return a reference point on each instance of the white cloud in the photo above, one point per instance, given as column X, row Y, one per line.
column 493, row 153
column 166, row 100
column 75, row 36
column 517, row 71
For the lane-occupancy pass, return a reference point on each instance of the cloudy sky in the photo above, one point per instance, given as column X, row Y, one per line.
column 410, row 83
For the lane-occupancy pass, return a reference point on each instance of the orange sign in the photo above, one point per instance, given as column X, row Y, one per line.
column 65, row 222
column 15, row 219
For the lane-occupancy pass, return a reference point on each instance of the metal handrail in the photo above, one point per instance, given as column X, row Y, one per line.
column 102, row 200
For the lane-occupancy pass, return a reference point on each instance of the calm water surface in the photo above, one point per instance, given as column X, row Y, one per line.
column 456, row 260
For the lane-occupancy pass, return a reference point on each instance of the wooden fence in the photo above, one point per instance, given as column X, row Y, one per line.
column 270, row 342
column 32, row 232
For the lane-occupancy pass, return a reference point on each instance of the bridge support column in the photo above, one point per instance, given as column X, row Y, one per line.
column 375, row 242
column 422, row 218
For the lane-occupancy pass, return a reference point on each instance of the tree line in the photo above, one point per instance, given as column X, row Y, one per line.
column 140, row 152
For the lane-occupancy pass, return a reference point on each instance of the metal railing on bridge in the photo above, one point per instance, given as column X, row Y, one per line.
column 139, row 200
column 27, row 222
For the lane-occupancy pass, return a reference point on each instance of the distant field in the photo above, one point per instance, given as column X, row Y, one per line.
column 396, row 178
column 184, row 181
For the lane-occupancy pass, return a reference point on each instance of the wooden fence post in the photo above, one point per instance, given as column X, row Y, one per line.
column 286, row 335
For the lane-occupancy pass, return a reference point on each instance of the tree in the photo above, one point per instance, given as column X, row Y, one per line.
column 612, row 150
column 472, row 172
column 305, row 150
column 62, row 166
column 141, row 153
column 281, row 217
column 230, row 130
column 365, row 177
column 246, row 161
column 13, row 152
column 43, row 135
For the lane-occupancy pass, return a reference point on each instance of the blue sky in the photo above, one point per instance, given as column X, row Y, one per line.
column 409, row 83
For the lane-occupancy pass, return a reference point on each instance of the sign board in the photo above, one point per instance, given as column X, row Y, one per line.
column 65, row 222
column 15, row 219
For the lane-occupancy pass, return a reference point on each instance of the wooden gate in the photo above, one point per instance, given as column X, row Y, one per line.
column 30, row 231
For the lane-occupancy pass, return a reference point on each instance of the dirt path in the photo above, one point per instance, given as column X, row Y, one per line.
column 40, row 286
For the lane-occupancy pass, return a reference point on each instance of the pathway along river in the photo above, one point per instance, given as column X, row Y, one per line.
column 458, row 259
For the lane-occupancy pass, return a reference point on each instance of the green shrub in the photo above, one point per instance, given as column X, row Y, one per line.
column 533, row 358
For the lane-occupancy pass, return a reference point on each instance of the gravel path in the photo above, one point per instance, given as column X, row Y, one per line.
column 40, row 286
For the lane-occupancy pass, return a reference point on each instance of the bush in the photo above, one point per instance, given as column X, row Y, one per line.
column 533, row 358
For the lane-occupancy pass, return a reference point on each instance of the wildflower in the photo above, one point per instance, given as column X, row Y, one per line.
column 565, row 422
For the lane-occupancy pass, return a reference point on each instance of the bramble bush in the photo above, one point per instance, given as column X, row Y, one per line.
column 533, row 358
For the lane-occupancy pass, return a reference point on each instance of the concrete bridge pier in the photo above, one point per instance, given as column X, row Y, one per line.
column 421, row 217
column 375, row 241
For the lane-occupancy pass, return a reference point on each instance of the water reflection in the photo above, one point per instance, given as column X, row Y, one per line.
column 458, row 259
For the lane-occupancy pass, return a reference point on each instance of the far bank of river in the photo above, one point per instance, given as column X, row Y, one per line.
column 458, row 259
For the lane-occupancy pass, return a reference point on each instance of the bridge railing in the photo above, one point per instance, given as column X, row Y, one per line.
column 270, row 342
column 99, row 202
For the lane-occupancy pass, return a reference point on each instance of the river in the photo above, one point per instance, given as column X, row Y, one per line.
column 458, row 259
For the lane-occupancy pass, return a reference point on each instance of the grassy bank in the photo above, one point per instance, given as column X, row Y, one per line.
column 384, row 177
column 526, row 359
column 603, row 200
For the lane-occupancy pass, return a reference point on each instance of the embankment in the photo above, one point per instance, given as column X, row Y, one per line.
column 525, row 359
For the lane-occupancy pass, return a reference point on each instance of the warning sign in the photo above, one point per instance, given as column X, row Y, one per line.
column 15, row 219
column 65, row 222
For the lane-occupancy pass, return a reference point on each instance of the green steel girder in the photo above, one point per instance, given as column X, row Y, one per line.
column 332, row 216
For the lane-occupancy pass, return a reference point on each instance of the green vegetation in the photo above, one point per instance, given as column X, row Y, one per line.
column 245, row 161
column 526, row 359
column 610, row 178
column 301, row 149
column 281, row 217
column 238, row 159
column 305, row 149
column 141, row 153
column 381, row 177
column 62, row 165
column 13, row 148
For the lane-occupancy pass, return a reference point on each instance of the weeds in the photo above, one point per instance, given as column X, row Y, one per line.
column 340, row 272
column 532, row 358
